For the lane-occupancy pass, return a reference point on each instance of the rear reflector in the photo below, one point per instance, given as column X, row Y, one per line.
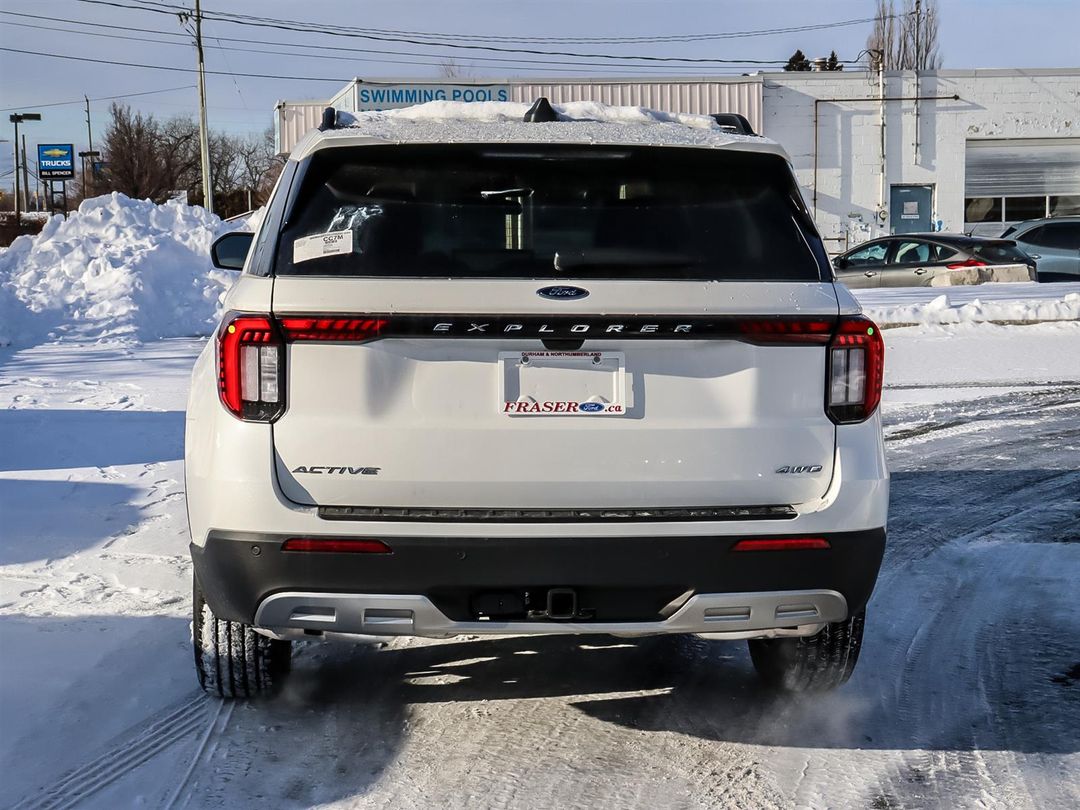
column 781, row 544
column 336, row 545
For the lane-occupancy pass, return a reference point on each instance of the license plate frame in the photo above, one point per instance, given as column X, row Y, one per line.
column 562, row 383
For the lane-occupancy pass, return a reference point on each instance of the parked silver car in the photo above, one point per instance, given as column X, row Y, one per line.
column 932, row 260
column 1053, row 243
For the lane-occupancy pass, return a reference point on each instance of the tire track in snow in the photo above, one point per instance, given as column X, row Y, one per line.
column 154, row 736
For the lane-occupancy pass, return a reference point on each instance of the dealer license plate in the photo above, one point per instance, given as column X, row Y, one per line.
column 583, row 383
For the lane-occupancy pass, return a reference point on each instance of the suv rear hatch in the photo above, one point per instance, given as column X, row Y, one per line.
column 551, row 327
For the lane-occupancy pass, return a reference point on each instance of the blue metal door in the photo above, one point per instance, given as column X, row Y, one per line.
column 910, row 209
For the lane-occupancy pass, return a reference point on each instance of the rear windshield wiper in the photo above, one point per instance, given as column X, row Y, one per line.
column 618, row 257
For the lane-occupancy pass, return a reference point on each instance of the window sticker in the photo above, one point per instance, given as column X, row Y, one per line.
column 322, row 244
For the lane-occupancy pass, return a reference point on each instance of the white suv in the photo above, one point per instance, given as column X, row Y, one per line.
column 492, row 377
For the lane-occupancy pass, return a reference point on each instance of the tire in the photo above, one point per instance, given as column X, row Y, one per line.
column 816, row 663
column 1056, row 278
column 231, row 659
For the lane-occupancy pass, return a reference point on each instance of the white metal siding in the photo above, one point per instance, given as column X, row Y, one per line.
column 696, row 97
column 293, row 120
column 1022, row 167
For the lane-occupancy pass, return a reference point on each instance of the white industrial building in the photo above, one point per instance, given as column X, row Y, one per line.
column 981, row 149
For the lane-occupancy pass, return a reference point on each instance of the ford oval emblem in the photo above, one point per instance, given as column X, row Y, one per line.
column 561, row 293
column 590, row 407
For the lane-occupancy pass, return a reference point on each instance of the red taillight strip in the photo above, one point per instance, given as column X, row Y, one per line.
column 781, row 544
column 757, row 329
column 332, row 329
column 786, row 330
column 336, row 545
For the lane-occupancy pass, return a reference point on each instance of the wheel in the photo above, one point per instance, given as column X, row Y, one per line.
column 231, row 659
column 815, row 663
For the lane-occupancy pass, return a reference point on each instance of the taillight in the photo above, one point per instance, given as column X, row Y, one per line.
column 855, row 365
column 251, row 367
column 352, row 330
column 786, row 330
column 967, row 263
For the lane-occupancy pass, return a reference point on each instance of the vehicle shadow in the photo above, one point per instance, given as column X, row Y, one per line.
column 51, row 439
column 45, row 520
column 681, row 684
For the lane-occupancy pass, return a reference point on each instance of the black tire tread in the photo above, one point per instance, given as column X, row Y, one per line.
column 232, row 661
column 815, row 663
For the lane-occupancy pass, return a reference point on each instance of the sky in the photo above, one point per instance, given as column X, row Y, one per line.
column 974, row 33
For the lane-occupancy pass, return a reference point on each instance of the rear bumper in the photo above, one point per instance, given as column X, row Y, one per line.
column 627, row 585
column 731, row 615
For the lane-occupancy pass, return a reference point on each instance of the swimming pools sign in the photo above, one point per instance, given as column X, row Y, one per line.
column 391, row 96
column 56, row 161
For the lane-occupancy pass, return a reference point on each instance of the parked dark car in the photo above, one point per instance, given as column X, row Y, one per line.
column 932, row 260
column 1053, row 243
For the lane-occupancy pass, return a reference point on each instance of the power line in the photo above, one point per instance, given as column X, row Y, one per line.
column 664, row 38
column 193, row 70
column 344, row 31
column 502, row 63
column 105, row 98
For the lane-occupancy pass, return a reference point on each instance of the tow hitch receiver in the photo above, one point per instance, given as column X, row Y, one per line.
column 562, row 603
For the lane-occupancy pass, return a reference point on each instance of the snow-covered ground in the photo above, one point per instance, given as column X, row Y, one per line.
column 967, row 695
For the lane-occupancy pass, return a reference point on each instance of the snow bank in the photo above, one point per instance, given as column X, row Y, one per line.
column 115, row 268
column 1000, row 303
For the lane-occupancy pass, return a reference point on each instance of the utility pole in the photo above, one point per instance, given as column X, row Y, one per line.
column 89, row 134
column 16, row 119
column 204, row 139
column 918, row 65
column 89, row 153
column 25, row 176
column 15, row 157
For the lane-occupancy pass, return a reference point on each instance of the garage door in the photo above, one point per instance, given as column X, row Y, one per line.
column 1009, row 181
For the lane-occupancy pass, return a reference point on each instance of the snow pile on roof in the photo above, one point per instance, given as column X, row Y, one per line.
column 1001, row 303
column 116, row 268
column 579, row 122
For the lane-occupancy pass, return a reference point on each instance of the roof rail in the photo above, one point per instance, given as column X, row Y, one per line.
column 734, row 122
column 329, row 119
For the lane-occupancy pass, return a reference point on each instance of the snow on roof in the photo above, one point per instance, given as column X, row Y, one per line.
column 583, row 122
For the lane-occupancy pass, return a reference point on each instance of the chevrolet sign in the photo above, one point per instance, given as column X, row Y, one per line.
column 56, row 161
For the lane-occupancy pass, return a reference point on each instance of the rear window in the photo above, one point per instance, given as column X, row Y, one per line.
column 527, row 211
column 1000, row 253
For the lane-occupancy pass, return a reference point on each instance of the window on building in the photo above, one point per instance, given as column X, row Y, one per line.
column 1065, row 206
column 1018, row 209
column 982, row 209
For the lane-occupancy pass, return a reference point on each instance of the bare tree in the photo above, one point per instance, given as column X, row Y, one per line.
column 908, row 40
column 145, row 158
column 259, row 166
column 451, row 68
